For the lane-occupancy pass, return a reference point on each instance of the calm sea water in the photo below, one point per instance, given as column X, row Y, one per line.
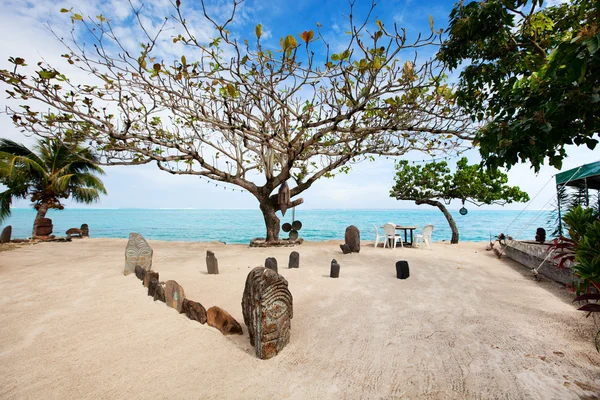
column 239, row 226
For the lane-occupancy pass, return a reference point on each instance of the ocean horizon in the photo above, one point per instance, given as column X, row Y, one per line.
column 241, row 225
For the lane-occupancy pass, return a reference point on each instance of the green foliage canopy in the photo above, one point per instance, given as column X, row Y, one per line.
column 532, row 76
column 468, row 183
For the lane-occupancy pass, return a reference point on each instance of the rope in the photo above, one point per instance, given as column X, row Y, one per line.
column 528, row 204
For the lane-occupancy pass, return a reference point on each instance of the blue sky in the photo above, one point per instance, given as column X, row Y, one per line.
column 366, row 186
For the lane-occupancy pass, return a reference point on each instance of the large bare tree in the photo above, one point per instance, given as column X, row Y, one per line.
column 241, row 113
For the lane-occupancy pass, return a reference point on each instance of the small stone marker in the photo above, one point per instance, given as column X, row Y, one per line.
column 194, row 311
column 212, row 265
column 137, row 252
column 140, row 273
column 223, row 321
column 402, row 270
column 85, row 230
column 335, row 269
column 294, row 260
column 174, row 295
column 6, row 232
column 271, row 263
column 540, row 235
column 267, row 309
column 159, row 292
column 74, row 231
column 152, row 284
column 149, row 276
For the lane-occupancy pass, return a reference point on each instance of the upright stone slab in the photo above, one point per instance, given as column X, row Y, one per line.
column 85, row 230
column 352, row 239
column 267, row 309
column 140, row 273
column 335, row 269
column 137, row 252
column 294, row 260
column 159, row 292
column 174, row 295
column 402, row 271
column 149, row 276
column 44, row 227
column 152, row 284
column 212, row 265
column 271, row 263
column 194, row 311
column 223, row 321
column 6, row 233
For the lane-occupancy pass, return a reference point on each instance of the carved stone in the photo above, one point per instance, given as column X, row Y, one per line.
column 140, row 273
column 137, row 252
column 212, row 265
column 6, row 232
column 294, row 260
column 159, row 292
column 352, row 239
column 149, row 276
column 402, row 271
column 194, row 311
column 223, row 321
column 271, row 263
column 283, row 197
column 267, row 309
column 540, row 235
column 174, row 295
column 44, row 227
column 74, row 232
column 345, row 248
column 335, row 269
column 85, row 230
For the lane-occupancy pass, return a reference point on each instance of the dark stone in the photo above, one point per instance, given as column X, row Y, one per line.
column 194, row 311
column 174, row 295
column 294, row 259
column 540, row 235
column 271, row 263
column 159, row 292
column 5, row 236
column 223, row 321
column 212, row 265
column 345, row 248
column 137, row 252
column 402, row 270
column 140, row 273
column 267, row 309
column 352, row 239
column 335, row 269
column 44, row 227
column 85, row 230
column 152, row 284
column 149, row 276
column 74, row 231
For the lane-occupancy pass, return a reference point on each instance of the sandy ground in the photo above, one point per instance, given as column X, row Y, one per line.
column 464, row 325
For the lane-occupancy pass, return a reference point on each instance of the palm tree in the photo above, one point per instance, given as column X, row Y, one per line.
column 50, row 173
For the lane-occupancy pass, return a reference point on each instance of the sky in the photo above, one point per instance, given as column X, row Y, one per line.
column 24, row 33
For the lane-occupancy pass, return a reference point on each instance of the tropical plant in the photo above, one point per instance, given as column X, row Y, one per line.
column 232, row 110
column 47, row 174
column 581, row 250
column 429, row 182
column 530, row 74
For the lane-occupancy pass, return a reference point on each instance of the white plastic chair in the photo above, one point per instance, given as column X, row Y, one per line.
column 377, row 237
column 424, row 237
column 390, row 234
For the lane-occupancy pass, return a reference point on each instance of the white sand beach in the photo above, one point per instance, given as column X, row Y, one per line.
column 464, row 325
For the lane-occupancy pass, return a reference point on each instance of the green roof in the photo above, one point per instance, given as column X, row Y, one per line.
column 587, row 175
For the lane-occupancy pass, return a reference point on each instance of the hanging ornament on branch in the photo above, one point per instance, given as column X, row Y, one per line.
column 284, row 197
column 463, row 210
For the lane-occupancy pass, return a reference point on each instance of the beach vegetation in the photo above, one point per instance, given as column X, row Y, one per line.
column 529, row 73
column 435, row 184
column 243, row 110
column 50, row 172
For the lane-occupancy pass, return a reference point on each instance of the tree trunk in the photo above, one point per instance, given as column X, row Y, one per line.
column 271, row 220
column 42, row 210
column 447, row 214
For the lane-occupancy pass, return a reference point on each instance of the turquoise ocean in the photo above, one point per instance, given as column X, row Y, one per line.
column 239, row 226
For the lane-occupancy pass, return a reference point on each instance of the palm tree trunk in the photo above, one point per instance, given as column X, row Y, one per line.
column 447, row 214
column 42, row 210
